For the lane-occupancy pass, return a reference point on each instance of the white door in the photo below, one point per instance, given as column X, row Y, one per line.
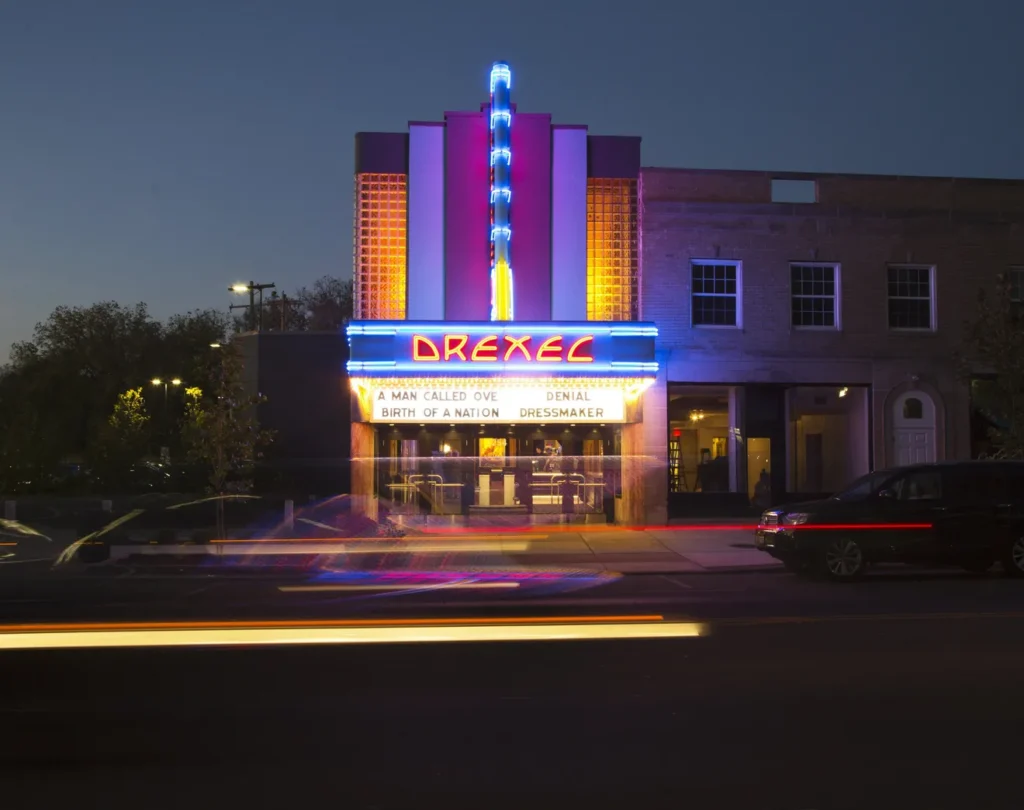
column 914, row 446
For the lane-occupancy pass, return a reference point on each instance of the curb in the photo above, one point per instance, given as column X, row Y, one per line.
column 723, row 569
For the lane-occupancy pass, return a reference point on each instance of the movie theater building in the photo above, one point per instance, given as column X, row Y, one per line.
column 497, row 360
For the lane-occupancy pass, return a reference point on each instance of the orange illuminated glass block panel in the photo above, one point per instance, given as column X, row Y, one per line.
column 380, row 244
column 613, row 275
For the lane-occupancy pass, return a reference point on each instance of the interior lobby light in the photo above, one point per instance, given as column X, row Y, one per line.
column 843, row 391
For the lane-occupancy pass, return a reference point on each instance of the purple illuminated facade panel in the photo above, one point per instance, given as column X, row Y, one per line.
column 569, row 223
column 425, row 231
column 381, row 153
column 531, row 215
column 467, row 216
column 615, row 156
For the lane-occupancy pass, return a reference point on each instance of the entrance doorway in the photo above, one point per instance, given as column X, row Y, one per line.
column 913, row 427
column 527, row 469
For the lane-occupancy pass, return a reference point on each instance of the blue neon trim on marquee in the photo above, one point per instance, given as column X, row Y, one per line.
column 619, row 349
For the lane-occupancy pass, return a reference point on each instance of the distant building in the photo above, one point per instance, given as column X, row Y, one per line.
column 302, row 376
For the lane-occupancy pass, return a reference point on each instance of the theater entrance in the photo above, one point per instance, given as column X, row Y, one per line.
column 526, row 469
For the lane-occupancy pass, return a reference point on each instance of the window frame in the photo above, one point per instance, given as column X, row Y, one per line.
column 836, row 297
column 898, row 484
column 933, row 311
column 738, row 265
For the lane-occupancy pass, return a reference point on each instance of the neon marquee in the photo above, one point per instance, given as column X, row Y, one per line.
column 429, row 348
column 492, row 348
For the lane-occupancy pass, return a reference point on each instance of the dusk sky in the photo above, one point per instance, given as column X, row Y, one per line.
column 158, row 150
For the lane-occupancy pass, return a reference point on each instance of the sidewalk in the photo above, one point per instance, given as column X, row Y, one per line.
column 681, row 548
column 695, row 546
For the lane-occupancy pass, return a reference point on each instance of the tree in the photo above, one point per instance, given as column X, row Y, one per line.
column 325, row 307
column 329, row 304
column 58, row 391
column 220, row 429
column 124, row 438
column 993, row 364
column 283, row 313
column 27, row 449
column 66, row 380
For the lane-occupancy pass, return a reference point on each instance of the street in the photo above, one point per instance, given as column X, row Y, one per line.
column 898, row 692
column 135, row 594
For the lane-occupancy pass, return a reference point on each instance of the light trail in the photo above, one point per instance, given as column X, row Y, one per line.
column 379, row 631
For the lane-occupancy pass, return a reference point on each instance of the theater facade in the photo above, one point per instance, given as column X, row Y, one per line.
column 497, row 363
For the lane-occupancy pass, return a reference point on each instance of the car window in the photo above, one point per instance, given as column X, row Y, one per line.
column 976, row 484
column 863, row 487
column 921, row 485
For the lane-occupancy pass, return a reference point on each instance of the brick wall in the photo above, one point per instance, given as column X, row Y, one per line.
column 966, row 249
column 968, row 229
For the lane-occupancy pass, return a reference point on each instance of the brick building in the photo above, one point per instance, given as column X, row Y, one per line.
column 807, row 324
column 755, row 337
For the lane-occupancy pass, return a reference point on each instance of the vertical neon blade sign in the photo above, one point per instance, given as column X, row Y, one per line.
column 501, row 193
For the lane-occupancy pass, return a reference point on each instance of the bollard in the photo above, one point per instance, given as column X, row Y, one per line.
column 107, row 506
column 10, row 510
column 289, row 515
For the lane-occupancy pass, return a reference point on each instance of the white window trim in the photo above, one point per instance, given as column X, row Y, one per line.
column 739, row 292
column 837, row 299
column 932, row 294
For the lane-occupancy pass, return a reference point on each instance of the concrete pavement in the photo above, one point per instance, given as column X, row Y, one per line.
column 691, row 547
column 681, row 547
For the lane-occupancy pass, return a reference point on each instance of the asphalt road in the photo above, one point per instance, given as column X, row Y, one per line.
column 902, row 692
column 135, row 594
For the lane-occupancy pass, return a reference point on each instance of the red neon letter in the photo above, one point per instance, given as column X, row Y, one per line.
column 424, row 349
column 572, row 357
column 487, row 344
column 552, row 344
column 517, row 343
column 454, row 344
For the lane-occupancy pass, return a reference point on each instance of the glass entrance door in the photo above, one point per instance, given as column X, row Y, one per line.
column 496, row 479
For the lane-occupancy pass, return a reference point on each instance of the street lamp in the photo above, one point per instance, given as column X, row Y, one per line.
column 160, row 381
column 165, row 383
column 252, row 288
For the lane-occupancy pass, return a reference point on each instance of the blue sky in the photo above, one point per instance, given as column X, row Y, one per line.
column 157, row 151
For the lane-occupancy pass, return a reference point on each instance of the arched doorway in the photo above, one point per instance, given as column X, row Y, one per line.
column 913, row 428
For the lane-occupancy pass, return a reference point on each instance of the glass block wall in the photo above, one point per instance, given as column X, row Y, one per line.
column 613, row 278
column 380, row 249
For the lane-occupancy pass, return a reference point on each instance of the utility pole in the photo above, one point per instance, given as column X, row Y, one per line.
column 255, row 321
column 252, row 305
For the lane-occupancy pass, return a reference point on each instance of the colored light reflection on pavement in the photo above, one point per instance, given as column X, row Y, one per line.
column 696, row 527
column 406, row 581
column 367, row 631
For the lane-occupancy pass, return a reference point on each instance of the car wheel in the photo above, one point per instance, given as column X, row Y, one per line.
column 1013, row 558
column 843, row 559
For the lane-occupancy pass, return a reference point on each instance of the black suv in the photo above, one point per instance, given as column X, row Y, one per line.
column 967, row 513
